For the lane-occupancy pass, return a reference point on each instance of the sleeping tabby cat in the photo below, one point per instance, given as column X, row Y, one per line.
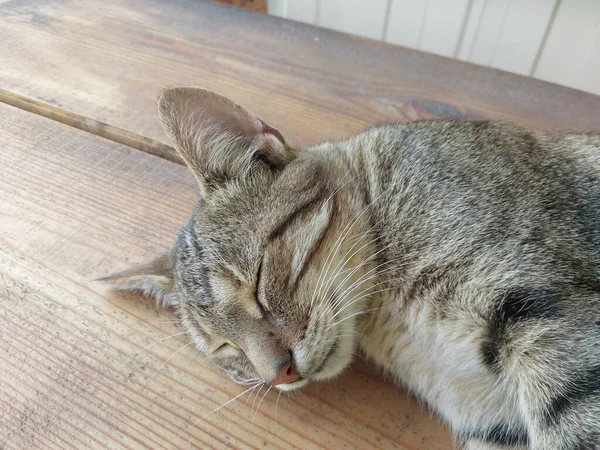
column 462, row 257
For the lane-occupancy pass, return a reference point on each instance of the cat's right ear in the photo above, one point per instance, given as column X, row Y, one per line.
column 218, row 139
column 153, row 278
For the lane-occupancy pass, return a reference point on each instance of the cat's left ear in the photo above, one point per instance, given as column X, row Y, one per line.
column 153, row 278
column 218, row 139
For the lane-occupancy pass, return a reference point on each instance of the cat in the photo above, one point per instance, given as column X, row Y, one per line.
column 463, row 257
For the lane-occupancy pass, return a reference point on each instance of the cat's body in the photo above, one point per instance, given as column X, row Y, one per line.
column 493, row 232
column 462, row 257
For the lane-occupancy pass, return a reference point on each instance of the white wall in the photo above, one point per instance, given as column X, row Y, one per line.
column 554, row 40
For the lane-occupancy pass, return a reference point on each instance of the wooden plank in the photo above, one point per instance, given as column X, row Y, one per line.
column 90, row 125
column 85, row 368
column 312, row 84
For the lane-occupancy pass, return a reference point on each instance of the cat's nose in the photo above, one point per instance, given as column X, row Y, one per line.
column 287, row 374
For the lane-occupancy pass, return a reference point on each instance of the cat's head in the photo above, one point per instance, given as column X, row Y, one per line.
column 272, row 271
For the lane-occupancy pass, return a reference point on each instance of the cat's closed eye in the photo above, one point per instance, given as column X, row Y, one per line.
column 226, row 349
column 263, row 308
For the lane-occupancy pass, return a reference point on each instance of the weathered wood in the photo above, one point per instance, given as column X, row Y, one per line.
column 90, row 125
column 106, row 64
column 84, row 368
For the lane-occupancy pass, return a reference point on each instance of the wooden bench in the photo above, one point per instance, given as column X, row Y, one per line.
column 89, row 185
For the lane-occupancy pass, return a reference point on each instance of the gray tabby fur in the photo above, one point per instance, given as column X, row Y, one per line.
column 462, row 257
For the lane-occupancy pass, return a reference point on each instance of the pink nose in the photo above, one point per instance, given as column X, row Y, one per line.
column 287, row 374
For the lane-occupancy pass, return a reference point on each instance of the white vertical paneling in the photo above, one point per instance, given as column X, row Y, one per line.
column 590, row 75
column 472, row 23
column 277, row 8
column 522, row 33
column 570, row 44
column 481, row 45
column 362, row 17
column 554, row 40
column 405, row 22
column 443, row 26
column 303, row 10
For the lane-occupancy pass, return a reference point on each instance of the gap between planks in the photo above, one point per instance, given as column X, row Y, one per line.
column 89, row 125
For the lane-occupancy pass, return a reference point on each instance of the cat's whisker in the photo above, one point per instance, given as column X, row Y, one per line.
column 354, row 315
column 347, row 229
column 259, row 403
column 330, row 197
column 357, row 296
column 352, row 270
column 366, row 277
column 350, row 290
column 360, row 298
column 277, row 405
column 349, row 226
column 238, row 380
column 153, row 344
column 345, row 260
column 379, row 274
column 329, row 260
column 250, row 396
column 370, row 274
column 374, row 271
column 217, row 409
column 339, row 300
column 169, row 359
column 256, row 397
column 360, row 356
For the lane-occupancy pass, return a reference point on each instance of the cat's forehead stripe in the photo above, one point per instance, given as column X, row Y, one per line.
column 317, row 243
column 303, row 208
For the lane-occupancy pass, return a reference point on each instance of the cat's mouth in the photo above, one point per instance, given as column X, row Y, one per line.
column 302, row 381
column 291, row 386
column 315, row 373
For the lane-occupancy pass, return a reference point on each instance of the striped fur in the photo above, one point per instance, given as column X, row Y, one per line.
column 462, row 257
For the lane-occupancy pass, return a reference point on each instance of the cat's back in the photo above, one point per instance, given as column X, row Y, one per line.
column 493, row 234
column 486, row 196
column 484, row 178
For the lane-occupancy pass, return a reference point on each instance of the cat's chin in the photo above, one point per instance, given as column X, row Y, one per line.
column 291, row 386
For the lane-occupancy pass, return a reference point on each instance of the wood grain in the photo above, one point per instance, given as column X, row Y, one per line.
column 90, row 125
column 86, row 368
column 106, row 64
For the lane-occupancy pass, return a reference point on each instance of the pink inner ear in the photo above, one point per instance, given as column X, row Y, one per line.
column 270, row 130
column 232, row 117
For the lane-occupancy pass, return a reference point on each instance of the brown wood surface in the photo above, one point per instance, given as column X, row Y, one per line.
column 81, row 196
column 77, row 364
column 106, row 64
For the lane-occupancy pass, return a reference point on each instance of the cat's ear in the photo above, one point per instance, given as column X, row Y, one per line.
column 218, row 139
column 153, row 278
